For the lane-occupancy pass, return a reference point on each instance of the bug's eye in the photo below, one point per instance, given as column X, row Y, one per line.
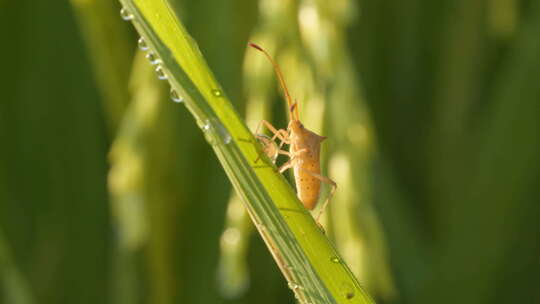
column 301, row 126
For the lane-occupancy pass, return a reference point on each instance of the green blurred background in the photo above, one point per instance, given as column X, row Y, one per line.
column 110, row 194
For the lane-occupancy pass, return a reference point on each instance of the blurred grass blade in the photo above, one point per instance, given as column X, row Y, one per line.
column 233, row 266
column 111, row 54
column 13, row 284
column 311, row 265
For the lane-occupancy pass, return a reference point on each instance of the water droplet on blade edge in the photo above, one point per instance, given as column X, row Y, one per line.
column 175, row 97
column 217, row 93
column 153, row 58
column 125, row 14
column 143, row 46
column 161, row 73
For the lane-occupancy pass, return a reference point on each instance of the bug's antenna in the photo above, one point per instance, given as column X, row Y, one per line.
column 293, row 107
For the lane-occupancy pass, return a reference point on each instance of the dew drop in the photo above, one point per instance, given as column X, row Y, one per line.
column 219, row 135
column 175, row 97
column 161, row 73
column 125, row 14
column 224, row 134
column 334, row 259
column 206, row 128
column 217, row 93
column 153, row 58
column 143, row 46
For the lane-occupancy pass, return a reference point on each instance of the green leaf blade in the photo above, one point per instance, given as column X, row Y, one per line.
column 311, row 265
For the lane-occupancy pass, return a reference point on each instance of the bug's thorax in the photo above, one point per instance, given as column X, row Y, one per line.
column 303, row 138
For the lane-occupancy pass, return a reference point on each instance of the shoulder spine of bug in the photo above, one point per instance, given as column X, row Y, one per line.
column 304, row 150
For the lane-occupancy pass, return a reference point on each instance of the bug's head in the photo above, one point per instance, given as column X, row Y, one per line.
column 296, row 126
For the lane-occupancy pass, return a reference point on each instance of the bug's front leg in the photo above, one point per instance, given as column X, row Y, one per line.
column 282, row 134
column 270, row 148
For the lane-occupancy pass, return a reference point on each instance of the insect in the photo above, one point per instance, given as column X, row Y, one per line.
column 270, row 148
column 304, row 149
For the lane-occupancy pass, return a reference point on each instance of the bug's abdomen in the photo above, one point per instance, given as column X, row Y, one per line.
column 307, row 166
column 307, row 185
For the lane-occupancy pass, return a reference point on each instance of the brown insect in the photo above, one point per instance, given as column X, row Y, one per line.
column 270, row 148
column 304, row 150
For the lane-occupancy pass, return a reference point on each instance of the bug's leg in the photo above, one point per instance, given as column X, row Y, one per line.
column 288, row 142
column 273, row 154
column 282, row 134
column 290, row 163
column 284, row 153
column 325, row 180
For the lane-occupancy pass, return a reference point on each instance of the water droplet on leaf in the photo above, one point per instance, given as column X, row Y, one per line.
column 143, row 46
column 125, row 14
column 175, row 97
column 153, row 58
column 161, row 73
column 217, row 93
